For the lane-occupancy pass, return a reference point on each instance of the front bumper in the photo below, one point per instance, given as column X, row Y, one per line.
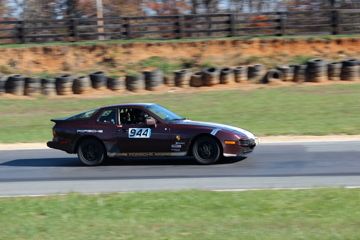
column 243, row 148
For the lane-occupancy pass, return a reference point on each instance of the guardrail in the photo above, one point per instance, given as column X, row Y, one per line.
column 339, row 21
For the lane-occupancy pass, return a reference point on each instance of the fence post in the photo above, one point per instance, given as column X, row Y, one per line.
column 209, row 24
column 180, row 26
column 73, row 31
column 281, row 27
column 335, row 21
column 21, row 31
column 127, row 28
column 232, row 25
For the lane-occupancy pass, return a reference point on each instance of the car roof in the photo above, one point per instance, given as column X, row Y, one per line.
column 130, row 105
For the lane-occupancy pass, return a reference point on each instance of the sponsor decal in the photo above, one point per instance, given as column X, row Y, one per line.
column 139, row 132
column 89, row 131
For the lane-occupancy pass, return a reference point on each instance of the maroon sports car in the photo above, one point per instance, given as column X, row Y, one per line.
column 146, row 129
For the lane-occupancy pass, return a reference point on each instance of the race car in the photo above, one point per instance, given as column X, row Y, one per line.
column 146, row 130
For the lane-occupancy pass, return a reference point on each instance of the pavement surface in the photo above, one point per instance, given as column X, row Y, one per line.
column 272, row 165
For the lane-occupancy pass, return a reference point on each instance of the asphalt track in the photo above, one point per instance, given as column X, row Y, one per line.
column 280, row 165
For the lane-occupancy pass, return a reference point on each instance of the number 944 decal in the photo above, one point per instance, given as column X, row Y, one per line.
column 139, row 132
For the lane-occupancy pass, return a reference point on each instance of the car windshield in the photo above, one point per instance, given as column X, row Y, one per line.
column 163, row 113
column 83, row 115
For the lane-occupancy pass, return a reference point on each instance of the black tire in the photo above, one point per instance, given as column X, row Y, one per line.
column 211, row 76
column 98, row 80
column 272, row 76
column 226, row 75
column 196, row 80
column 181, row 78
column 206, row 150
column 91, row 152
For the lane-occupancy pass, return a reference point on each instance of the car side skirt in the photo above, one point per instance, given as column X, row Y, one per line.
column 148, row 154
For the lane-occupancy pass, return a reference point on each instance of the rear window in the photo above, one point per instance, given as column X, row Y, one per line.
column 83, row 115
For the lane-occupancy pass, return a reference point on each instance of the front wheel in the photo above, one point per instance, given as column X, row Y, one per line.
column 91, row 152
column 206, row 150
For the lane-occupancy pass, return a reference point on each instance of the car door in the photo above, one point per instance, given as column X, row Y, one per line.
column 135, row 136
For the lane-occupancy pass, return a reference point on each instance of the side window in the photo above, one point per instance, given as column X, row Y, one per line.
column 133, row 116
column 108, row 116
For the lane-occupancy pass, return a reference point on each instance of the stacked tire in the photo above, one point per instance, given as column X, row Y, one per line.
column 210, row 76
column 98, row 80
column 114, row 83
column 334, row 71
column 287, row 73
column 153, row 79
column 81, row 85
column 64, row 84
column 32, row 86
column 15, row 85
column 240, row 74
column 350, row 70
column 256, row 72
column 299, row 73
column 133, row 83
column 196, row 79
column 2, row 84
column 226, row 75
column 181, row 78
column 48, row 87
column 316, row 70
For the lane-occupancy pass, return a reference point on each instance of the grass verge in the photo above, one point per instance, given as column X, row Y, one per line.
column 144, row 40
column 295, row 110
column 281, row 214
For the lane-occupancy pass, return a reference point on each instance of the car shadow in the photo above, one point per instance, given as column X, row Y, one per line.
column 74, row 162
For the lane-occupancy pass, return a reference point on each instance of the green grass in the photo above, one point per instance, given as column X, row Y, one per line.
column 123, row 41
column 295, row 110
column 283, row 214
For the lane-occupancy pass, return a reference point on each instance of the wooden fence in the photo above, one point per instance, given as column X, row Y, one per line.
column 182, row 26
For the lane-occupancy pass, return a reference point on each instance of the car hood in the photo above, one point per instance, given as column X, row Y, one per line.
column 239, row 131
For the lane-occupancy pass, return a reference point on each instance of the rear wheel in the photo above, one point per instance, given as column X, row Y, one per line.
column 206, row 150
column 91, row 152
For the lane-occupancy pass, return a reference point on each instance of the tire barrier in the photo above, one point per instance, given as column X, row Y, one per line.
column 15, row 85
column 48, row 87
column 153, row 79
column 63, row 84
column 81, row 85
column 240, row 74
column 334, row 71
column 256, row 72
column 274, row 75
column 316, row 70
column 226, row 75
column 114, row 83
column 350, row 70
column 181, row 78
column 287, row 73
column 196, row 79
column 133, row 83
column 169, row 81
column 98, row 80
column 210, row 76
column 2, row 84
column 32, row 86
column 299, row 73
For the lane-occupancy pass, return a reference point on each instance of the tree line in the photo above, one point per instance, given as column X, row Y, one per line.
column 56, row 9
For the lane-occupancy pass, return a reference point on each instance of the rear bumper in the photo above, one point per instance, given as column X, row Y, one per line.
column 58, row 146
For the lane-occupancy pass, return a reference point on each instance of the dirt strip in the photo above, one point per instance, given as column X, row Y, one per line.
column 265, row 140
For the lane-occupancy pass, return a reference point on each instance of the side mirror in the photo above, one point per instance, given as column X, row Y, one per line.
column 150, row 121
